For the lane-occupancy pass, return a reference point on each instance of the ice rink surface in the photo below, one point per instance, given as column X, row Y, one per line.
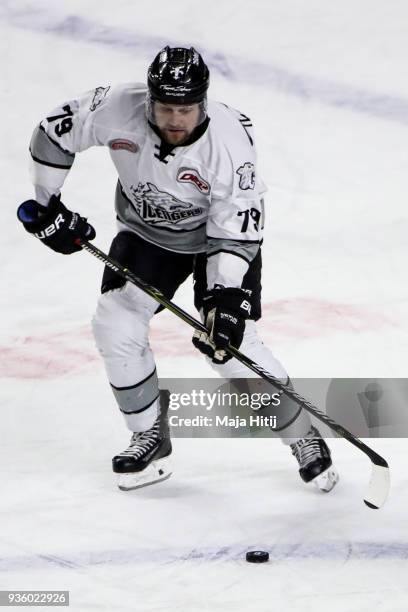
column 325, row 86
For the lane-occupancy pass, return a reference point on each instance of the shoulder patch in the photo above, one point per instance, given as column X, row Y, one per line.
column 99, row 95
column 124, row 144
column 246, row 174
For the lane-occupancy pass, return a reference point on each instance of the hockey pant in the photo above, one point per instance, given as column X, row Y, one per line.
column 121, row 330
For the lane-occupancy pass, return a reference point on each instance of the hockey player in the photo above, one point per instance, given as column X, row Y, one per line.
column 188, row 200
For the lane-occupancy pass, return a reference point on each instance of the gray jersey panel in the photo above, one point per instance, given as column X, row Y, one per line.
column 181, row 241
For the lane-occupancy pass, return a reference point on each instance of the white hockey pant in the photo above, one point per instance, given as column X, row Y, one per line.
column 121, row 330
column 121, row 327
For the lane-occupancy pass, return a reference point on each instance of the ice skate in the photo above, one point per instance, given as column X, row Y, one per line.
column 147, row 459
column 314, row 458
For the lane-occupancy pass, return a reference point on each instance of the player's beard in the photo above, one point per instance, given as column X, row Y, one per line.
column 175, row 137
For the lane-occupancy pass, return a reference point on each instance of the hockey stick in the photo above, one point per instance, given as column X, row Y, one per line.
column 379, row 484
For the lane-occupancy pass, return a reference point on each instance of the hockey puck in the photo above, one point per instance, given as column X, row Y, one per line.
column 257, row 556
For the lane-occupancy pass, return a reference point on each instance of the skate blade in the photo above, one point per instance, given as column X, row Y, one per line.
column 327, row 479
column 155, row 472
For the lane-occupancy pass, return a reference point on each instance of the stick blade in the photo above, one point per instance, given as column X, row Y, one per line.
column 378, row 487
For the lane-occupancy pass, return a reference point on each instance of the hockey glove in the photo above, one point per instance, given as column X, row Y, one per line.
column 225, row 312
column 55, row 225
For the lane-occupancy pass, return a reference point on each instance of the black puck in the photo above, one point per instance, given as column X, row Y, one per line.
column 257, row 556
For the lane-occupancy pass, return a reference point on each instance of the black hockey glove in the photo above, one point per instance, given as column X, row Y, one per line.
column 225, row 312
column 55, row 225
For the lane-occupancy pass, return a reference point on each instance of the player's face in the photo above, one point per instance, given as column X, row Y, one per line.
column 176, row 122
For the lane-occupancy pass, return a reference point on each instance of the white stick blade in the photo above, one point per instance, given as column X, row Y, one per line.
column 378, row 487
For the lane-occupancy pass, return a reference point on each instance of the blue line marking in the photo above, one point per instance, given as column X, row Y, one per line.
column 301, row 86
column 327, row 551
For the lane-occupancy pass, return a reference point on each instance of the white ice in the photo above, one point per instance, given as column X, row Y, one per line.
column 325, row 84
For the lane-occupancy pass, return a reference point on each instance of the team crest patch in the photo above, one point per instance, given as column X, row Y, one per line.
column 189, row 175
column 99, row 95
column 124, row 144
column 246, row 176
column 161, row 208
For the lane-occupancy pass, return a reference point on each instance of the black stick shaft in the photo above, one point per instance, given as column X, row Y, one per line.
column 179, row 312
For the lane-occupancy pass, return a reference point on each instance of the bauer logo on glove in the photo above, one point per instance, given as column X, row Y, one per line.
column 225, row 312
column 51, row 229
column 55, row 225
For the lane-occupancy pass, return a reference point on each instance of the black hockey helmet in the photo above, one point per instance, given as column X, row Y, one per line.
column 178, row 76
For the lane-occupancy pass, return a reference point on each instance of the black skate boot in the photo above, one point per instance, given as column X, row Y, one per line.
column 314, row 458
column 146, row 461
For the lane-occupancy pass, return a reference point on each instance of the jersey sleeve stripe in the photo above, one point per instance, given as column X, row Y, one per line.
column 44, row 163
column 44, row 150
column 230, row 252
column 246, row 250
column 234, row 240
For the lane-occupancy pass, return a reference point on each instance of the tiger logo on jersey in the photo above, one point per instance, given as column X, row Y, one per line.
column 161, row 208
column 246, row 176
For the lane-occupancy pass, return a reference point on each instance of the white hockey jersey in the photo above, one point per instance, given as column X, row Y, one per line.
column 200, row 197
